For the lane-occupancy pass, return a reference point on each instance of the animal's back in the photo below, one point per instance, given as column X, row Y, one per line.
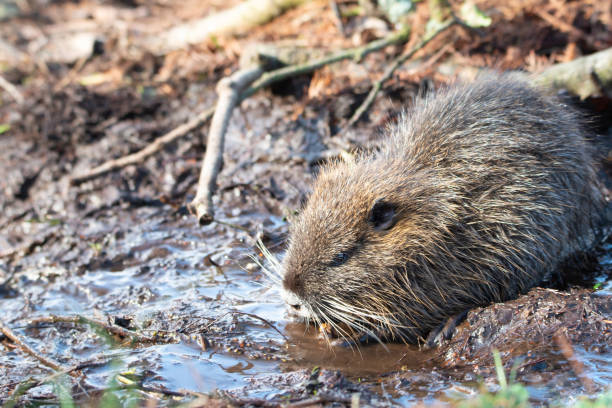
column 515, row 175
column 491, row 187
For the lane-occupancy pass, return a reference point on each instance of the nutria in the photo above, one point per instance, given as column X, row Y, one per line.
column 476, row 195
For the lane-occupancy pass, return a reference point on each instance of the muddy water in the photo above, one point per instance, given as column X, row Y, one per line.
column 167, row 276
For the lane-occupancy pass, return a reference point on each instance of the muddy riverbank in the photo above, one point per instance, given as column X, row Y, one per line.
column 122, row 249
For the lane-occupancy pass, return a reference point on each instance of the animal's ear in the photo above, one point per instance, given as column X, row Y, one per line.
column 382, row 215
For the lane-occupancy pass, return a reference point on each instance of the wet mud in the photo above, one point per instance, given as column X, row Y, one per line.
column 122, row 251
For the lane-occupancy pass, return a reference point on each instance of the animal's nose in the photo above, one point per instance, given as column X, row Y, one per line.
column 292, row 300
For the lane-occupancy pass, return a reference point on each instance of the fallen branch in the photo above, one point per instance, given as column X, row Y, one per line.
column 578, row 76
column 29, row 350
column 238, row 19
column 232, row 90
column 265, row 80
column 156, row 390
column 229, row 90
column 110, row 328
column 149, row 150
column 397, row 62
column 26, row 385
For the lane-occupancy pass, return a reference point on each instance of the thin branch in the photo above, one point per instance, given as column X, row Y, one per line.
column 562, row 25
column 337, row 16
column 321, row 399
column 23, row 387
column 568, row 352
column 29, row 350
column 157, row 390
column 11, row 90
column 367, row 103
column 267, row 322
column 110, row 328
column 149, row 150
column 229, row 90
column 252, row 402
column 356, row 54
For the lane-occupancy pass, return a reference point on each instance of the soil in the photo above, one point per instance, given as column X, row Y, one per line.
column 124, row 250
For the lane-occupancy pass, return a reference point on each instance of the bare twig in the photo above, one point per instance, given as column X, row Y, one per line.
column 267, row 322
column 561, row 25
column 97, row 362
column 356, row 54
column 319, row 399
column 7, row 280
column 254, row 316
column 397, row 62
column 229, row 90
column 232, row 90
column 568, row 352
column 110, row 328
column 29, row 384
column 20, row 215
column 149, row 150
column 337, row 16
column 11, row 90
column 157, row 390
column 431, row 60
column 29, row 350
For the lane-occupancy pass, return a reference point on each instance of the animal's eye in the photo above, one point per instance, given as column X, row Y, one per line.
column 382, row 215
column 339, row 259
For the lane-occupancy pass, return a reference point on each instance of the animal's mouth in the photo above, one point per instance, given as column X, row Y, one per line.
column 296, row 307
column 299, row 310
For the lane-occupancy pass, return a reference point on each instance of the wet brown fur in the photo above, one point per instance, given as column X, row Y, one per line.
column 488, row 188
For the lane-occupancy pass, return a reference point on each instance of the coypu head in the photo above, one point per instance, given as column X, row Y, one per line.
column 351, row 246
